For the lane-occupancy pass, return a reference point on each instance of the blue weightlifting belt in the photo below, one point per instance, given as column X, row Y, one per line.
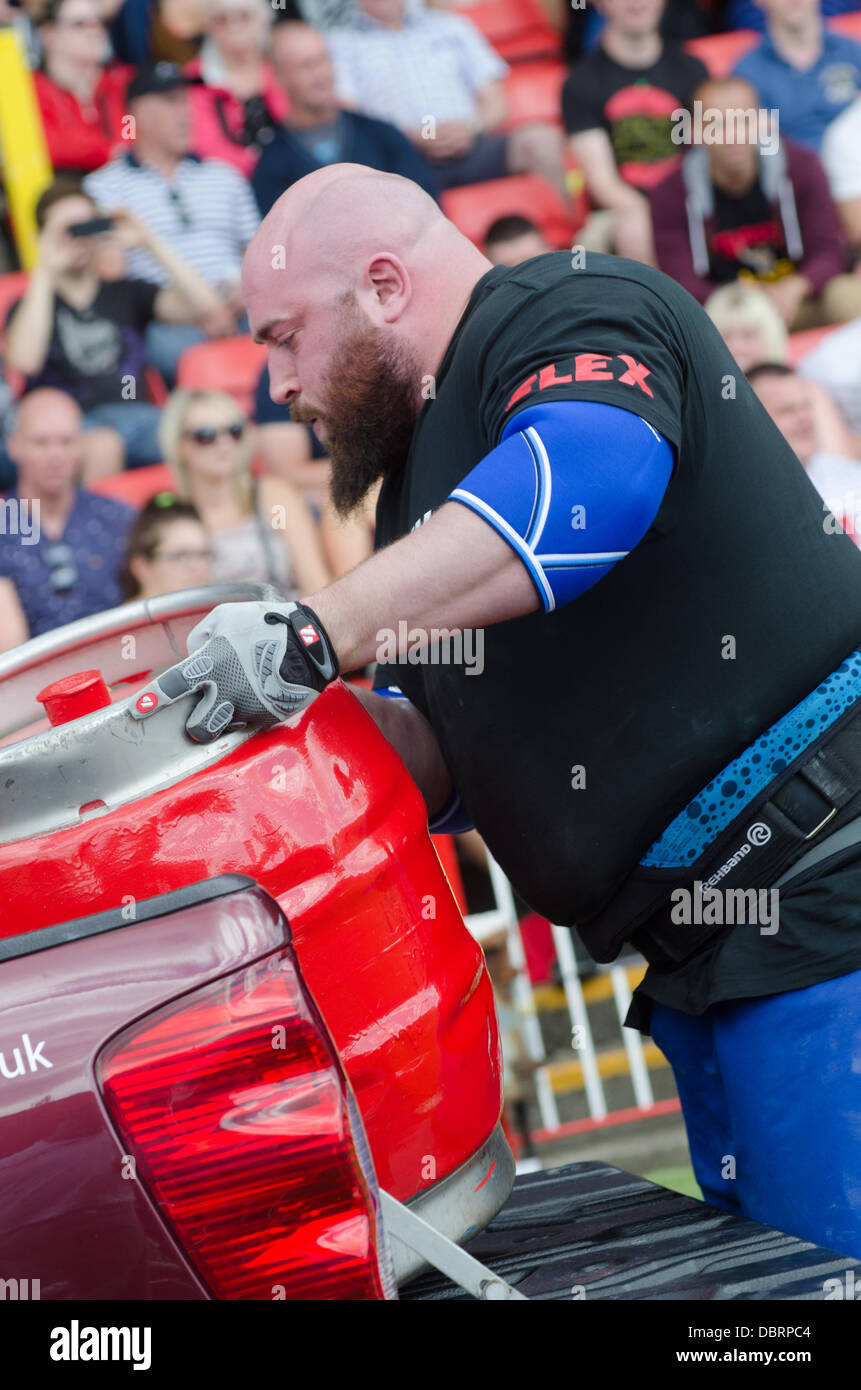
column 726, row 796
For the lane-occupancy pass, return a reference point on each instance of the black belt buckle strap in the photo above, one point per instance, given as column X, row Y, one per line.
column 822, row 792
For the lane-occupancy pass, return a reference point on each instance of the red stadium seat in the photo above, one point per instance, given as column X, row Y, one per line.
column 225, row 364
column 475, row 206
column 12, row 286
column 801, row 343
column 721, row 52
column 848, row 24
column 534, row 93
column 136, row 485
column 518, row 29
column 156, row 389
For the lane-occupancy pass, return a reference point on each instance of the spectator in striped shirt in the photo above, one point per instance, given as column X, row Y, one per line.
column 432, row 74
column 202, row 208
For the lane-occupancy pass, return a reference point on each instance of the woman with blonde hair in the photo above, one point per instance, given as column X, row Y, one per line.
column 260, row 528
column 749, row 324
column 755, row 333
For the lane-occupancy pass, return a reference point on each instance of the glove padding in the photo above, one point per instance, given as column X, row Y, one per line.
column 256, row 663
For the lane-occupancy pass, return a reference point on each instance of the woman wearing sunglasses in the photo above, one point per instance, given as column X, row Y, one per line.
column 168, row 549
column 259, row 528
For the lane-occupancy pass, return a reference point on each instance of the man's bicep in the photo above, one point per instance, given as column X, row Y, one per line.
column 573, row 487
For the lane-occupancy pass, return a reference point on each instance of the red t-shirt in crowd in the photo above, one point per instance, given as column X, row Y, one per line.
column 83, row 135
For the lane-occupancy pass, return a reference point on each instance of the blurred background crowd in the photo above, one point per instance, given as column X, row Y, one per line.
column 141, row 142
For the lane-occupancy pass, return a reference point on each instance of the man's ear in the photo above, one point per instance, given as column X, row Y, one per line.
column 388, row 278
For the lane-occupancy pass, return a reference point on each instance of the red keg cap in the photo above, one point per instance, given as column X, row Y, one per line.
column 74, row 696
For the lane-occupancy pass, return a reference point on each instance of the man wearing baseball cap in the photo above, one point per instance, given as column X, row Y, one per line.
column 202, row 208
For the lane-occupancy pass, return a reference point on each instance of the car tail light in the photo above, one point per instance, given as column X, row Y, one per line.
column 233, row 1102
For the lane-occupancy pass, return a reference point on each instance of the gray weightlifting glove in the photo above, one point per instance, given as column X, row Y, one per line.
column 254, row 663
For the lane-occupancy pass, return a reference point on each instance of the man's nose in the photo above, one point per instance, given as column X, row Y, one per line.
column 284, row 385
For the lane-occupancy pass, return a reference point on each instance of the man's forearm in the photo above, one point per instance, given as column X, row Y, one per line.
column 492, row 108
column 453, row 572
column 28, row 336
column 201, row 297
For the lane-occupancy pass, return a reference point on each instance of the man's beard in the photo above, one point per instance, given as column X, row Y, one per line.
column 371, row 389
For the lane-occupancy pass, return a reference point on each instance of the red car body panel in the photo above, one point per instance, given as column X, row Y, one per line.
column 323, row 814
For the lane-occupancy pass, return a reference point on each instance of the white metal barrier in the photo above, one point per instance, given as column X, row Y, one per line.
column 503, row 917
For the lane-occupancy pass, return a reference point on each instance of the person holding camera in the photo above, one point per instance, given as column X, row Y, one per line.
column 80, row 329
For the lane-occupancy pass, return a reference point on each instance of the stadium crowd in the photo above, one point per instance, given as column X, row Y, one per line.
column 134, row 407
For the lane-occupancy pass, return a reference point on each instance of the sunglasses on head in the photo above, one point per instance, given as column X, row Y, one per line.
column 208, row 434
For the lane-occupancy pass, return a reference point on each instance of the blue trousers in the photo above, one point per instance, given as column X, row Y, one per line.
column 166, row 342
column 137, row 422
column 771, row 1095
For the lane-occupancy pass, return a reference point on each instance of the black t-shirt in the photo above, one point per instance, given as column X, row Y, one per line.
column 97, row 354
column 630, row 681
column 747, row 238
column 634, row 106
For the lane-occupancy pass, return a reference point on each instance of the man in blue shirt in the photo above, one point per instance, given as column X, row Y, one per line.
column 62, row 549
column 803, row 69
column 318, row 131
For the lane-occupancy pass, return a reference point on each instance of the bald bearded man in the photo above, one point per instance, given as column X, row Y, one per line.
column 668, row 699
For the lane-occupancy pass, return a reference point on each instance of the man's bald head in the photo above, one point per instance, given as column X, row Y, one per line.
column 355, row 279
column 46, row 443
column 333, row 222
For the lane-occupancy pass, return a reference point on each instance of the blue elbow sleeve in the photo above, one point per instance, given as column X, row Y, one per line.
column 572, row 486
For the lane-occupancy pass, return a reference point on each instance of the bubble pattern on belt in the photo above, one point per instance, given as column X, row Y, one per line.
column 726, row 796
